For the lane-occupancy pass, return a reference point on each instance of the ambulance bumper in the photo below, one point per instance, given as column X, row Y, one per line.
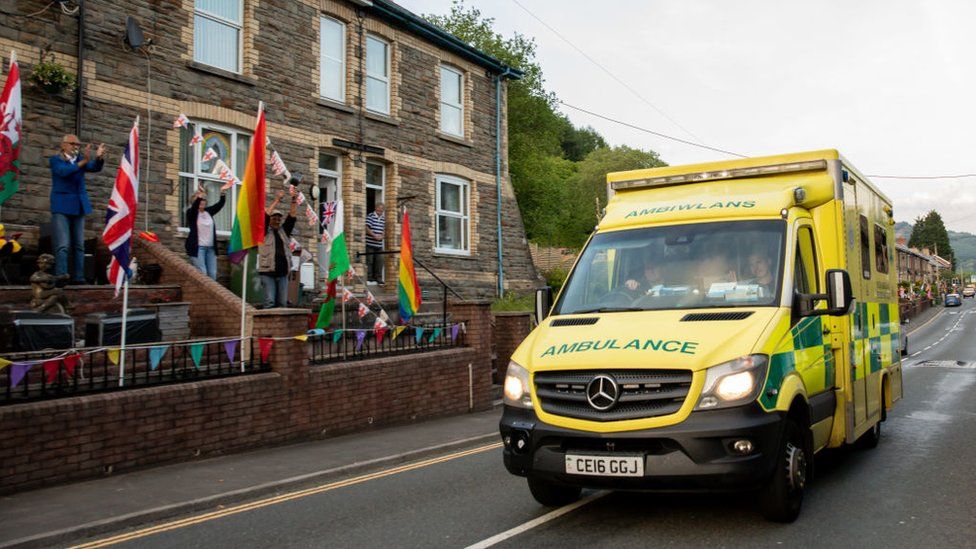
column 696, row 454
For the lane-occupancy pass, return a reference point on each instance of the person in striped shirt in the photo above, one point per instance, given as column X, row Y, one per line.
column 375, row 229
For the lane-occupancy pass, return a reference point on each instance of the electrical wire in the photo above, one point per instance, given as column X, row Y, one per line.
column 652, row 132
column 611, row 75
column 30, row 15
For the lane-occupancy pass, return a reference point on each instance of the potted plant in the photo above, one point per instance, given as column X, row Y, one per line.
column 50, row 76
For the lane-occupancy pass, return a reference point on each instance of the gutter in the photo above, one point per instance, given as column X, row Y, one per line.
column 498, row 174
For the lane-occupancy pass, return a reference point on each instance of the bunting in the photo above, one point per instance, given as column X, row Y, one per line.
column 17, row 372
column 209, row 155
column 230, row 347
column 336, row 336
column 363, row 310
column 360, row 336
column 433, row 336
column 196, row 353
column 51, row 368
column 396, row 332
column 454, row 332
column 113, row 355
column 4, row 363
column 265, row 344
column 277, row 165
column 156, row 355
column 418, row 333
column 181, row 122
column 70, row 362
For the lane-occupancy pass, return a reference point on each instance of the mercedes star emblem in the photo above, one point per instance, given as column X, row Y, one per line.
column 602, row 392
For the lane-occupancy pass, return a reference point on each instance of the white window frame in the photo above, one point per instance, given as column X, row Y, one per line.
column 342, row 60
column 385, row 79
column 382, row 186
column 336, row 174
column 465, row 216
column 197, row 176
column 459, row 105
column 239, row 25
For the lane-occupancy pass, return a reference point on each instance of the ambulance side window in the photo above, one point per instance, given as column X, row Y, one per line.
column 865, row 248
column 880, row 249
column 806, row 279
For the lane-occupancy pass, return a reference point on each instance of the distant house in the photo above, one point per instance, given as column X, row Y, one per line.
column 919, row 266
column 369, row 101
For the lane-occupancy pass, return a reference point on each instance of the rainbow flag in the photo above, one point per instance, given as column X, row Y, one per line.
column 407, row 289
column 248, row 230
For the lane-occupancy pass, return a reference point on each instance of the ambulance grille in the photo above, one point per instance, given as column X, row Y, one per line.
column 582, row 321
column 698, row 317
column 642, row 393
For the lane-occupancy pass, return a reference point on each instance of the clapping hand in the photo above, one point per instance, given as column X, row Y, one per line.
column 100, row 151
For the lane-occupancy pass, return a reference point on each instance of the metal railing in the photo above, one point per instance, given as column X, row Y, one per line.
column 53, row 374
column 444, row 285
column 344, row 345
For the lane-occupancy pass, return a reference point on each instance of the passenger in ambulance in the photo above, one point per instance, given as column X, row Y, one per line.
column 761, row 272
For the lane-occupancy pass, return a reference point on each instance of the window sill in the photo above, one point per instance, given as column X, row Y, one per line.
column 335, row 105
column 382, row 118
column 453, row 255
column 454, row 139
column 221, row 73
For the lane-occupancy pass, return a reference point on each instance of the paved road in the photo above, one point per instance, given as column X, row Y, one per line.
column 918, row 488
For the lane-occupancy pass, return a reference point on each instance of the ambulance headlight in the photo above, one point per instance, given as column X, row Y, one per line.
column 517, row 387
column 733, row 383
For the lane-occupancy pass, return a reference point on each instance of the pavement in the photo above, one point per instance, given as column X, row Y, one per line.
column 56, row 515
column 50, row 516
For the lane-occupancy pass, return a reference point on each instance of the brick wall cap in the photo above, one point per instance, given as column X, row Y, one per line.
column 513, row 313
column 280, row 311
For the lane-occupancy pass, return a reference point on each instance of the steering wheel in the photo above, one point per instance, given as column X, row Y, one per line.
column 617, row 298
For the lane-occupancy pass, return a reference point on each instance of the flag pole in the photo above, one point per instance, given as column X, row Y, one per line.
column 243, row 304
column 125, row 318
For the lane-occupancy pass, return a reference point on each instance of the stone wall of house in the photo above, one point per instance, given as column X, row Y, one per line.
column 280, row 67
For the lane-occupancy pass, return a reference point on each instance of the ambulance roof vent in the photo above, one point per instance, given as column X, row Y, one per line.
column 700, row 317
column 734, row 173
column 580, row 321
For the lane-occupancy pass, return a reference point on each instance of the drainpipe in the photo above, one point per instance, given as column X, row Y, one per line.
column 498, row 173
column 79, row 95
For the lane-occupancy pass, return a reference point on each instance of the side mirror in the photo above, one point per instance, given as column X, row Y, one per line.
column 840, row 294
column 543, row 302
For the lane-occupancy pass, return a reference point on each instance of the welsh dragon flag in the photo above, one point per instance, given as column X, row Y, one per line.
column 338, row 265
column 10, row 130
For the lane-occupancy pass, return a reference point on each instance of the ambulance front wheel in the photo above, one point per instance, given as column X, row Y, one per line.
column 551, row 494
column 782, row 496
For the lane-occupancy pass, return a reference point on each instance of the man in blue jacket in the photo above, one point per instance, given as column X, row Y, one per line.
column 69, row 203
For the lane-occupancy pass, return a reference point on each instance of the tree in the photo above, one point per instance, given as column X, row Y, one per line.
column 930, row 232
column 587, row 188
column 579, row 142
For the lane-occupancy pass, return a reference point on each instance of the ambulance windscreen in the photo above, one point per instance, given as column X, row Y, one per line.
column 702, row 265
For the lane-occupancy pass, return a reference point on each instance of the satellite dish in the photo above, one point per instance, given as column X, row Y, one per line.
column 133, row 33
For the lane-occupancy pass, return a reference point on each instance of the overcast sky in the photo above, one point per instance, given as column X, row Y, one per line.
column 889, row 83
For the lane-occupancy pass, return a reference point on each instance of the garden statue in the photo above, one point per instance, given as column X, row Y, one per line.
column 47, row 297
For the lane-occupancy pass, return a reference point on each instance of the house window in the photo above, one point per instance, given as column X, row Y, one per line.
column 452, row 215
column 375, row 183
column 231, row 146
column 217, row 33
column 452, row 101
column 377, row 75
column 332, row 59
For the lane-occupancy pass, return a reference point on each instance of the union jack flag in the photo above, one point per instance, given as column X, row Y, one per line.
column 121, row 216
column 328, row 213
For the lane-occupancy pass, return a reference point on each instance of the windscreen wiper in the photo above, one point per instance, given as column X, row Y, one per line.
column 605, row 310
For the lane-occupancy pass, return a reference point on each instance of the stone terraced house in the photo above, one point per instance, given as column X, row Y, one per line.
column 367, row 100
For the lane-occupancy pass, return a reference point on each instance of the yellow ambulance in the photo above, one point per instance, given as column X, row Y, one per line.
column 723, row 324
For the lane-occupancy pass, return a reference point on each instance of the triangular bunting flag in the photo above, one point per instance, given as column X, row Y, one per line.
column 363, row 310
column 230, row 347
column 433, row 336
column 209, row 155
column 380, row 332
column 346, row 295
column 454, row 332
column 155, row 355
column 17, row 372
column 265, row 344
column 302, row 337
column 396, row 331
column 181, row 121
column 4, row 363
column 336, row 335
column 360, row 336
column 51, row 368
column 418, row 333
column 369, row 298
column 113, row 355
column 196, row 353
column 70, row 362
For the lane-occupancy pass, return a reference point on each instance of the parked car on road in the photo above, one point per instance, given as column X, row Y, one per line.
column 969, row 291
column 953, row 300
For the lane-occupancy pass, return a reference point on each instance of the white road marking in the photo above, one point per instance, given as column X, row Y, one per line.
column 507, row 534
column 916, row 353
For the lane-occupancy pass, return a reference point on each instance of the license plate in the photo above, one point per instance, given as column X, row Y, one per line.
column 605, row 466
